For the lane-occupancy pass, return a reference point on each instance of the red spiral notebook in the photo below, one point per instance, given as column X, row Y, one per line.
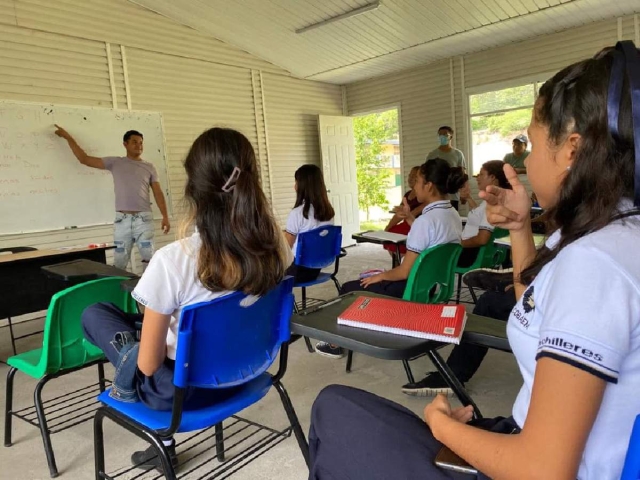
column 441, row 323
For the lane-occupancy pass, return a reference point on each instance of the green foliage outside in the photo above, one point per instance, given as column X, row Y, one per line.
column 503, row 123
column 373, row 178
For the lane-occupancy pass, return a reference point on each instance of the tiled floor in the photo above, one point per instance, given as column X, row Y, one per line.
column 493, row 388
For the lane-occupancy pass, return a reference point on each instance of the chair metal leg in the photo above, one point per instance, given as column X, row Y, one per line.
column 98, row 444
column 101, row 377
column 473, row 295
column 44, row 429
column 407, row 370
column 13, row 338
column 293, row 420
column 8, row 406
column 142, row 432
column 349, row 360
column 459, row 289
column 451, row 380
column 307, row 341
column 304, row 298
column 337, row 284
column 219, row 442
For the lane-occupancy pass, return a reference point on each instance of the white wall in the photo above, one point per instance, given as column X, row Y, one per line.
column 436, row 94
column 71, row 52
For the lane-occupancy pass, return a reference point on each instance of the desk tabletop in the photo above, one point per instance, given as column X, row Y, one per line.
column 538, row 240
column 15, row 257
column 322, row 325
column 84, row 270
column 379, row 237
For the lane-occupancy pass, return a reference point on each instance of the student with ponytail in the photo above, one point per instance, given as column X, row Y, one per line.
column 439, row 223
column 575, row 331
column 237, row 246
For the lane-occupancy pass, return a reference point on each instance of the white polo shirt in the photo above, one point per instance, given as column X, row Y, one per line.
column 476, row 221
column 296, row 223
column 171, row 282
column 583, row 309
column 438, row 224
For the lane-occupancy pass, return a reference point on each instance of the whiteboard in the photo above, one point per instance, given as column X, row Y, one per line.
column 42, row 184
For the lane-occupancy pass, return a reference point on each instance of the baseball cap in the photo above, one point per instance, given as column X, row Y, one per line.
column 521, row 138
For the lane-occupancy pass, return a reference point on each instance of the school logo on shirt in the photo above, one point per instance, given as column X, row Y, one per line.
column 528, row 304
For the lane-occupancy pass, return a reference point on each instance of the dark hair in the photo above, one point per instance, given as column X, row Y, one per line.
column 242, row 246
column 575, row 101
column 131, row 133
column 311, row 190
column 496, row 169
column 445, row 178
column 445, row 127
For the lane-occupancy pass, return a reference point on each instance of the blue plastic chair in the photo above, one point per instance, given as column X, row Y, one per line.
column 631, row 470
column 318, row 248
column 226, row 344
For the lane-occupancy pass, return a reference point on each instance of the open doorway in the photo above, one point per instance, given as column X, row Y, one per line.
column 378, row 167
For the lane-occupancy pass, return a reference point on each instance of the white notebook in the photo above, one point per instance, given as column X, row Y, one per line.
column 385, row 236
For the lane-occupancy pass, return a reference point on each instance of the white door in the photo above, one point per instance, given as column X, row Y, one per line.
column 337, row 145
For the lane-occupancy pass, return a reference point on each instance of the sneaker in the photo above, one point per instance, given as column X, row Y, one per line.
column 429, row 386
column 488, row 278
column 148, row 459
column 328, row 350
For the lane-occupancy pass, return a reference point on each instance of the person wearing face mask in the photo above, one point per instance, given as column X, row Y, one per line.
column 450, row 154
column 520, row 153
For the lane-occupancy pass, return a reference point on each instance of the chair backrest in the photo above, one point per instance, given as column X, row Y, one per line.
column 489, row 255
column 18, row 249
column 631, row 470
column 432, row 276
column 64, row 345
column 232, row 339
column 318, row 248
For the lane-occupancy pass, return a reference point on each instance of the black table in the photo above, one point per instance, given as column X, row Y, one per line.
column 83, row 270
column 321, row 324
column 395, row 259
column 23, row 286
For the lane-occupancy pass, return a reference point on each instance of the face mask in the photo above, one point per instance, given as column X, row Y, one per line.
column 443, row 139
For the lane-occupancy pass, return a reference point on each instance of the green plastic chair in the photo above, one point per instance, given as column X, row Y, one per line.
column 432, row 276
column 489, row 256
column 431, row 280
column 64, row 350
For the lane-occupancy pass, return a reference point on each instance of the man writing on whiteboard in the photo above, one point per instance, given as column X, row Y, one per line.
column 132, row 178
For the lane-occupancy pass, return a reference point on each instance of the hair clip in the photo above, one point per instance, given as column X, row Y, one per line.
column 231, row 182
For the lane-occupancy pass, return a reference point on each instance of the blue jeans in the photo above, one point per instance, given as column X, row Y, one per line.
column 104, row 325
column 130, row 228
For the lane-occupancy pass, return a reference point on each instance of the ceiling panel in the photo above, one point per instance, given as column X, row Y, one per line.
column 399, row 34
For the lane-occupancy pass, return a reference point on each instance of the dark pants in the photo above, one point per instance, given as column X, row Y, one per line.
column 468, row 256
column 102, row 321
column 392, row 289
column 465, row 359
column 356, row 435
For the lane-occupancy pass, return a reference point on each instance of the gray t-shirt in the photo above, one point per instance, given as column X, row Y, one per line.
column 516, row 162
column 455, row 159
column 131, row 182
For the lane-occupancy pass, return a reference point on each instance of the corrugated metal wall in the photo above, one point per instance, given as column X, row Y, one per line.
column 292, row 107
column 110, row 52
column 424, row 93
column 424, row 97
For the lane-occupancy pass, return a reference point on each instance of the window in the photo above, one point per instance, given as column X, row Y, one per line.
column 497, row 117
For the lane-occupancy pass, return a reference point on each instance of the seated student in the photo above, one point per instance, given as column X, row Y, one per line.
column 237, row 246
column 438, row 224
column 401, row 222
column 311, row 210
column 477, row 231
column 575, row 330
